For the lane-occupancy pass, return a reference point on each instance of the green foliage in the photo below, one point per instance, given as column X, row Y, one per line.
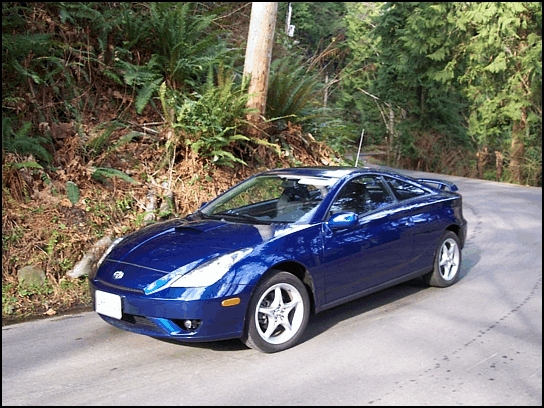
column 12, row 237
column 209, row 120
column 31, row 290
column 102, row 144
column 102, row 173
column 354, row 105
column 503, row 78
column 98, row 144
column 126, row 203
column 316, row 24
column 26, row 165
column 51, row 63
column 52, row 242
column 184, row 42
column 145, row 78
column 183, row 49
column 339, row 134
column 24, row 54
column 471, row 71
column 293, row 91
column 9, row 300
column 416, row 43
column 72, row 190
column 21, row 141
column 532, row 166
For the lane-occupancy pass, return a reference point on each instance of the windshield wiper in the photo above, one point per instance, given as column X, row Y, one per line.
column 245, row 217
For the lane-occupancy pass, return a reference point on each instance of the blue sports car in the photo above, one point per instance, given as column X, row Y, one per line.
column 256, row 261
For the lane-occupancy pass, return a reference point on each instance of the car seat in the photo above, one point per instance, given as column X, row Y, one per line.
column 293, row 194
column 353, row 197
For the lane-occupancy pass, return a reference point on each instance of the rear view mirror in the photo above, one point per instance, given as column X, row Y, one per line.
column 343, row 220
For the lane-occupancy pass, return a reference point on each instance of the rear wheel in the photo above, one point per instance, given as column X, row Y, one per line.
column 447, row 262
column 278, row 313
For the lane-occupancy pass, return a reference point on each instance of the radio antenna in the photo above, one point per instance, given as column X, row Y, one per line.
column 359, row 151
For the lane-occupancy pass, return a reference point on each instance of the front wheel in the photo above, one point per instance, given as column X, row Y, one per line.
column 447, row 262
column 278, row 313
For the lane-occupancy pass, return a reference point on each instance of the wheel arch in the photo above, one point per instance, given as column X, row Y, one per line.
column 301, row 273
column 456, row 229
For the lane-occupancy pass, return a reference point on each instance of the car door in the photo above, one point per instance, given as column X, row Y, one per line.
column 425, row 213
column 376, row 250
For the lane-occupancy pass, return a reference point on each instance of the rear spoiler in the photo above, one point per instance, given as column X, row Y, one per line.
column 440, row 184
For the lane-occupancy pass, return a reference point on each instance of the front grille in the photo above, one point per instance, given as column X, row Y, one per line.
column 119, row 287
column 138, row 320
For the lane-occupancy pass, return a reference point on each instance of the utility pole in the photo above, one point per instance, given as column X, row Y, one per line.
column 289, row 28
column 260, row 41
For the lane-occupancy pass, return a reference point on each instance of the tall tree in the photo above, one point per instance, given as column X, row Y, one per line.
column 259, row 54
column 503, row 76
column 454, row 69
column 398, row 48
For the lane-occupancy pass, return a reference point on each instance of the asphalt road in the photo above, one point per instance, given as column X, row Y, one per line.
column 478, row 342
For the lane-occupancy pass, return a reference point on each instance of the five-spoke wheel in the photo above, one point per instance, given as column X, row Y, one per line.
column 447, row 261
column 278, row 313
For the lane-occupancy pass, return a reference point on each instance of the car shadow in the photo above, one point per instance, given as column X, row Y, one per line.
column 219, row 345
column 321, row 322
column 327, row 319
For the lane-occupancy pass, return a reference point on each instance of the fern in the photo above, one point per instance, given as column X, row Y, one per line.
column 98, row 145
column 185, row 43
column 27, row 165
column 124, row 140
column 19, row 47
column 222, row 157
column 292, row 91
column 212, row 115
column 100, row 173
column 22, row 142
column 145, row 93
column 182, row 49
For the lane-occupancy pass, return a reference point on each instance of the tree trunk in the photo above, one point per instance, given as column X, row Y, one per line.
column 260, row 42
column 499, row 161
column 517, row 148
column 390, row 136
column 481, row 162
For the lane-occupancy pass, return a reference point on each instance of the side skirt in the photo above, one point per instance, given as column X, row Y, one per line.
column 374, row 289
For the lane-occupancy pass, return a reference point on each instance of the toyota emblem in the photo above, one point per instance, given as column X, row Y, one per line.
column 118, row 274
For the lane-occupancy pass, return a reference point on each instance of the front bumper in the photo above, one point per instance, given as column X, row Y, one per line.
column 164, row 316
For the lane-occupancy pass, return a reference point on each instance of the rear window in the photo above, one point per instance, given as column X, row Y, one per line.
column 404, row 190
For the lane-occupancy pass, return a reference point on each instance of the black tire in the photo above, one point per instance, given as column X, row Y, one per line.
column 278, row 313
column 447, row 262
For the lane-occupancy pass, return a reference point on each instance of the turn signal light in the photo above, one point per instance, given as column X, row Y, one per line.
column 231, row 302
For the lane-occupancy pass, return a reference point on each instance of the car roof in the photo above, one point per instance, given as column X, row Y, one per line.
column 328, row 171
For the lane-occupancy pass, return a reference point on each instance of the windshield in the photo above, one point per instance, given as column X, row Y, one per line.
column 272, row 198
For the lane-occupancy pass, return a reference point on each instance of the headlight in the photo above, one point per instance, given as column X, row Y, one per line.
column 107, row 251
column 210, row 272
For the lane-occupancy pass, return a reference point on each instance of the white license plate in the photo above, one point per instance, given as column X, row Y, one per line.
column 108, row 304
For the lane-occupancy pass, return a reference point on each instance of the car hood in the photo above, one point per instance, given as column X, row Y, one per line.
column 148, row 254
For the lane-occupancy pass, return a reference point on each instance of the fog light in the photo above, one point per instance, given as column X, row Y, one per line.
column 191, row 324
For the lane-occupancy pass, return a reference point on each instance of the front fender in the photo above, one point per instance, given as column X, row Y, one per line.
column 303, row 246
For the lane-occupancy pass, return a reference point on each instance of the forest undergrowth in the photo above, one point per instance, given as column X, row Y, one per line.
column 43, row 226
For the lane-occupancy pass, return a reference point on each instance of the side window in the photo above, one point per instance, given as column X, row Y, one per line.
column 350, row 198
column 361, row 195
column 404, row 190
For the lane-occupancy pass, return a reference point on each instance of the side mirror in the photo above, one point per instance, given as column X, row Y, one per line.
column 343, row 220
